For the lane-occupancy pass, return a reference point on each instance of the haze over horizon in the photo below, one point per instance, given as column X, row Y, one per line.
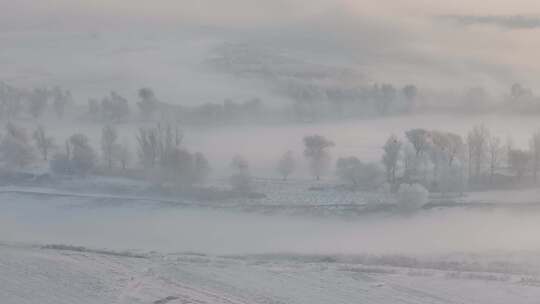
column 443, row 45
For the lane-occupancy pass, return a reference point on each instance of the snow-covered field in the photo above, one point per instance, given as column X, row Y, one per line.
column 38, row 275
column 139, row 249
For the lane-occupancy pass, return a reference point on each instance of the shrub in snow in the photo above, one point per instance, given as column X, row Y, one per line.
column 412, row 197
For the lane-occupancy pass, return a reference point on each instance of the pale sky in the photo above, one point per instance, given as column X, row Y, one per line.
column 255, row 11
column 408, row 37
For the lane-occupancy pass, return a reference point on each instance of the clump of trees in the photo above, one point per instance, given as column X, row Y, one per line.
column 359, row 175
column 160, row 152
column 14, row 102
column 112, row 108
column 79, row 158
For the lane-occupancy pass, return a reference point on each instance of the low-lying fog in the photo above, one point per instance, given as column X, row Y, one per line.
column 174, row 229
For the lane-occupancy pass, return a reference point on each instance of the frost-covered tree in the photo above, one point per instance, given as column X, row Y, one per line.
column 390, row 158
column 155, row 143
column 44, row 143
column 419, row 138
column 108, row 144
column 316, row 151
column 286, row 165
column 359, row 175
column 148, row 147
column 15, row 148
column 477, row 141
column 410, row 161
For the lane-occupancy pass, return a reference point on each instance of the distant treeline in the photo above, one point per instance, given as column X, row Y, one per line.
column 309, row 103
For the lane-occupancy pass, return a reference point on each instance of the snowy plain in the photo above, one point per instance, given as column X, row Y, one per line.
column 146, row 251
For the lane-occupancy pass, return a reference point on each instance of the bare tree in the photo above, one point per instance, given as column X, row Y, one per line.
column 494, row 152
column 148, row 147
column 535, row 154
column 108, row 144
column 419, row 138
column 392, row 150
column 477, row 140
column 286, row 165
column 44, row 143
column 316, row 151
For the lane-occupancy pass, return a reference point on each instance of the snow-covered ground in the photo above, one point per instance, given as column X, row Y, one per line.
column 33, row 275
column 147, row 250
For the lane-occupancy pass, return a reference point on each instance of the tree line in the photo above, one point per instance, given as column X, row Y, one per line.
column 440, row 161
column 308, row 104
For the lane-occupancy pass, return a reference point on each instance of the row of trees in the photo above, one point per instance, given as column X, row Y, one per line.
column 160, row 152
column 440, row 161
column 16, row 101
column 115, row 108
column 309, row 104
